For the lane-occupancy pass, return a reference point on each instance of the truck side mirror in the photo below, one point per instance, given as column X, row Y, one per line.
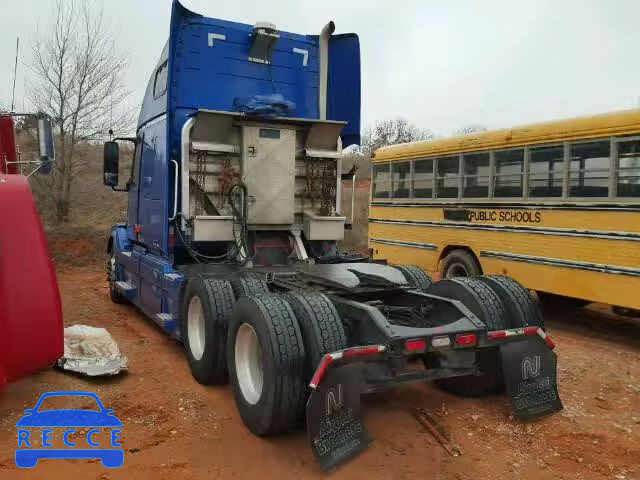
column 110, row 165
column 45, row 145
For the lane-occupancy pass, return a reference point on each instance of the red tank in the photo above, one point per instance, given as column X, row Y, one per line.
column 31, row 325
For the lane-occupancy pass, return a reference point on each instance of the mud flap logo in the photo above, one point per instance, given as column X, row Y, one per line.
column 335, row 430
column 530, row 367
column 335, row 400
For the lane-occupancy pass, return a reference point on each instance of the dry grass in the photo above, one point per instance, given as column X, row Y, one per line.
column 77, row 245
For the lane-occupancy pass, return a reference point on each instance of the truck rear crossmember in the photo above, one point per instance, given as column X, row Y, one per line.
column 420, row 345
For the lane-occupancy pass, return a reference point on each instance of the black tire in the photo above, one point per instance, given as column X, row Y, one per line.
column 522, row 310
column 114, row 293
column 415, row 276
column 281, row 400
column 249, row 283
column 486, row 305
column 320, row 325
column 216, row 301
column 553, row 300
column 460, row 263
column 476, row 296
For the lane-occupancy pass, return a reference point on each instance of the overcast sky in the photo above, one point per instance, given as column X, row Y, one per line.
column 443, row 64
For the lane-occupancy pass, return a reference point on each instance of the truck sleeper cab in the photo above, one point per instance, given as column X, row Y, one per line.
column 230, row 244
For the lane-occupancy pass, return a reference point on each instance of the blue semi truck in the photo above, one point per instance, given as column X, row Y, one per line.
column 231, row 245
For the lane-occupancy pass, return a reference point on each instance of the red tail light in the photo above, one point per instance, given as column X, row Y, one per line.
column 466, row 340
column 416, row 345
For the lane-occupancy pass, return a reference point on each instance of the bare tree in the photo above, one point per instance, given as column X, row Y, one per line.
column 383, row 133
column 469, row 129
column 392, row 132
column 78, row 79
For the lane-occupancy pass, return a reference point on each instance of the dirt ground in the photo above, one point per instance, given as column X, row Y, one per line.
column 175, row 428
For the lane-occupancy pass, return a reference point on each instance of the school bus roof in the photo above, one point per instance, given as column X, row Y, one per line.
column 624, row 122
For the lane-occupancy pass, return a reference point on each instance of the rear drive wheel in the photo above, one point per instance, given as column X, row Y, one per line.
column 204, row 319
column 521, row 309
column 114, row 293
column 266, row 358
column 320, row 325
column 415, row 276
column 249, row 283
column 460, row 263
column 484, row 304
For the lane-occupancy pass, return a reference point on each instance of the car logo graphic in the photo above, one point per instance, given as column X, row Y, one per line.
column 31, row 448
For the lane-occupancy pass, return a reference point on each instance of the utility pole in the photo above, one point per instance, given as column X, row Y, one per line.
column 15, row 72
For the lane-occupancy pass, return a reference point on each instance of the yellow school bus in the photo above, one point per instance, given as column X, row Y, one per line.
column 555, row 205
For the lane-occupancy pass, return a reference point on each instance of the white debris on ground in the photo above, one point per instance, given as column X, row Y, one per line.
column 91, row 351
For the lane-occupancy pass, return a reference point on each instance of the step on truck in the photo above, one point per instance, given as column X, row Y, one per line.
column 231, row 245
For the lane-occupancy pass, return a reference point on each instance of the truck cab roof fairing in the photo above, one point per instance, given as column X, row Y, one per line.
column 209, row 68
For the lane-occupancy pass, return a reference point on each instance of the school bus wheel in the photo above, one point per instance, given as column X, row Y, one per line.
column 460, row 263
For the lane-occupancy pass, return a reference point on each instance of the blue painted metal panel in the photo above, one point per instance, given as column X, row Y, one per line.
column 152, row 270
column 343, row 96
column 134, row 184
column 221, row 70
column 153, row 199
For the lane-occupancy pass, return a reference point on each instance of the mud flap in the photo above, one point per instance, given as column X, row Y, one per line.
column 529, row 368
column 335, row 429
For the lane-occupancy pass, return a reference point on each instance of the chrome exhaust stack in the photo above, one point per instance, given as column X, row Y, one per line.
column 325, row 35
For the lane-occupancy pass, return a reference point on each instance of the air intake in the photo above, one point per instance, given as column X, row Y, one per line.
column 264, row 38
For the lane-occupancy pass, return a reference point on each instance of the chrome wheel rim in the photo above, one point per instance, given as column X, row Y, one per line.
column 248, row 358
column 195, row 327
column 111, row 269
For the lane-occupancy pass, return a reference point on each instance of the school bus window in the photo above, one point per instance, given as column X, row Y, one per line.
column 448, row 174
column 589, row 169
column 381, row 180
column 628, row 168
column 423, row 178
column 400, row 179
column 509, row 166
column 546, row 166
column 476, row 175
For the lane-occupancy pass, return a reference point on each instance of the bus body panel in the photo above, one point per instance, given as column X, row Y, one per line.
column 586, row 247
column 553, row 256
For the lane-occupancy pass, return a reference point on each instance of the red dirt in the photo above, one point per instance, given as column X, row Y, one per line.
column 175, row 428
